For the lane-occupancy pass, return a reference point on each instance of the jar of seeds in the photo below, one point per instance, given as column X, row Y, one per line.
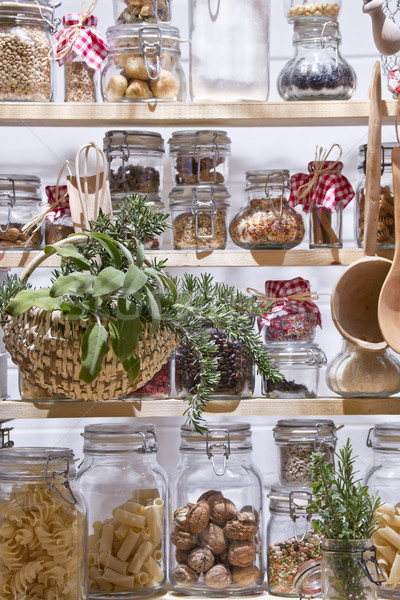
column 296, row 440
column 26, row 71
column 20, row 202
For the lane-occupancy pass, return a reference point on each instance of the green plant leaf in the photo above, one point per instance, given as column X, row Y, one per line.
column 155, row 308
column 75, row 313
column 76, row 284
column 135, row 279
column 109, row 245
column 139, row 253
column 94, row 348
column 129, row 328
column 26, row 299
column 132, row 366
column 70, row 251
column 108, row 281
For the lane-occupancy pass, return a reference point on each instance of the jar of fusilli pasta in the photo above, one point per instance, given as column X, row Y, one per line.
column 43, row 528
column 125, row 490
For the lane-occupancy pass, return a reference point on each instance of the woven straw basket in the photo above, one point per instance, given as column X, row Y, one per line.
column 46, row 347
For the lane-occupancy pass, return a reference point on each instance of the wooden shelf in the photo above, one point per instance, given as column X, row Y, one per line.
column 16, row 409
column 223, row 258
column 251, row 114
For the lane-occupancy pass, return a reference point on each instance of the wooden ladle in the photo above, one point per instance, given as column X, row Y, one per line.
column 389, row 299
column 354, row 301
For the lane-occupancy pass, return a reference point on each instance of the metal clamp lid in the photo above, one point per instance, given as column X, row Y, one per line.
column 198, row 151
column 5, row 440
column 150, row 443
column 49, row 478
column 218, row 447
column 200, row 207
column 11, row 201
column 148, row 49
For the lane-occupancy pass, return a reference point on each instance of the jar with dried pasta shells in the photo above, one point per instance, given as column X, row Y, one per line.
column 386, row 232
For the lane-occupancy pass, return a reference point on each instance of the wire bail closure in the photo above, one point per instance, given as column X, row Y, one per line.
column 219, row 447
column 148, row 446
column 148, row 49
column 11, row 201
column 293, row 507
column 268, row 195
column 197, row 153
column 49, row 478
column 200, row 207
column 380, row 578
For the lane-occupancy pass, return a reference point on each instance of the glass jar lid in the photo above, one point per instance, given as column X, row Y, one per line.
column 108, row 438
column 196, row 141
column 309, row 355
column 221, row 438
column 26, row 8
column 202, row 196
column 118, row 141
column 269, row 177
column 20, row 187
column 146, row 38
column 305, row 430
column 293, row 502
column 386, row 157
column 316, row 31
column 384, row 436
column 307, row 581
column 26, row 462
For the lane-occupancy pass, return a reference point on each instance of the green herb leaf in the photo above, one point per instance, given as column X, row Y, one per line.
column 26, row 299
column 108, row 281
column 155, row 308
column 125, row 332
column 76, row 284
column 132, row 366
column 135, row 279
column 94, row 348
column 110, row 245
column 75, row 313
column 70, row 251
column 139, row 253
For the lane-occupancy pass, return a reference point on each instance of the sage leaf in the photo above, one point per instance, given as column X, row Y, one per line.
column 26, row 299
column 94, row 348
column 139, row 253
column 155, row 308
column 129, row 329
column 69, row 251
column 75, row 284
column 75, row 312
column 110, row 245
column 135, row 279
column 108, row 281
column 132, row 366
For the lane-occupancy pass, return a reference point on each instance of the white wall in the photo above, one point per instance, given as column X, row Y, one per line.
column 42, row 150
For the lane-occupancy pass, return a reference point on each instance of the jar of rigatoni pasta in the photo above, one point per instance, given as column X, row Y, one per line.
column 125, row 490
column 43, row 529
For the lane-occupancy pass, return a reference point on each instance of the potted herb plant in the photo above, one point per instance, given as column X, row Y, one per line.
column 111, row 318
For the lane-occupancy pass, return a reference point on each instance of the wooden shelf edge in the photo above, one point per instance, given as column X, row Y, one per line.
column 15, row 409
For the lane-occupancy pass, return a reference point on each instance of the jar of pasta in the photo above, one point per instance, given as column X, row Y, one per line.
column 20, row 201
column 43, row 529
column 216, row 526
column 125, row 490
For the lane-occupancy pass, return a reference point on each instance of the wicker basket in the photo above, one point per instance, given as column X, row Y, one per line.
column 47, row 349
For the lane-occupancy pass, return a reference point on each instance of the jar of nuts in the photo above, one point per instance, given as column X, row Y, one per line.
column 142, row 11
column 216, row 524
column 20, row 202
column 199, row 157
column 386, row 227
column 143, row 64
column 199, row 216
column 300, row 9
column 26, row 73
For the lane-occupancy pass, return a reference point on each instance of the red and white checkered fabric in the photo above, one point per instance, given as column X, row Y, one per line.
column 330, row 188
column 284, row 288
column 394, row 81
column 88, row 44
column 61, row 209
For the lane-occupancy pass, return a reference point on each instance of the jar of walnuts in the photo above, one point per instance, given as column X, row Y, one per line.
column 216, row 527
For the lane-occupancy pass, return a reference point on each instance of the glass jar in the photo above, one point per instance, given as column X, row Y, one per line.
column 386, row 226
column 80, row 79
column 125, row 490
column 300, row 366
column 290, row 538
column 199, row 216
column 43, row 531
column 142, row 11
column 296, row 440
column 234, row 365
column 216, row 536
column 229, row 51
column 267, row 221
column 153, row 202
column 135, row 162
column 3, row 374
column 359, row 373
column 326, row 226
column 290, row 325
column 30, row 392
column 26, row 75
column 199, row 157
column 298, row 9
column 317, row 71
column 20, row 201
column 143, row 65
column 158, row 387
column 58, row 222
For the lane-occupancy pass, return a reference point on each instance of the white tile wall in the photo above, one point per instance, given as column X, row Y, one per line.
column 42, row 150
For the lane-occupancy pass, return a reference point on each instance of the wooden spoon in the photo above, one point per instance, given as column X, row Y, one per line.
column 354, row 301
column 389, row 299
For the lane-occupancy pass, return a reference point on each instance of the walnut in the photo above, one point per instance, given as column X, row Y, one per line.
column 180, row 515
column 218, row 578
column 180, row 556
column 207, row 495
column 184, row 575
column 200, row 559
column 240, row 530
column 183, row 540
column 241, row 553
column 198, row 517
column 222, row 510
column 246, row 576
column 212, row 537
column 248, row 513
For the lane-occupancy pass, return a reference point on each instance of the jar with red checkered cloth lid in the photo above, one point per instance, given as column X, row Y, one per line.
column 58, row 221
column 323, row 193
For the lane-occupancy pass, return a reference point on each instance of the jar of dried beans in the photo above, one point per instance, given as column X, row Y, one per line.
column 300, row 9
column 199, row 157
column 26, row 69
column 290, row 538
column 20, row 202
column 143, row 64
column 199, row 216
column 216, row 524
column 266, row 220
column 142, row 11
column 296, row 440
column 125, row 490
column 386, row 227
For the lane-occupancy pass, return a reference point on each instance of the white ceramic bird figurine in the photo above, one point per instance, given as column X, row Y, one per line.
column 386, row 32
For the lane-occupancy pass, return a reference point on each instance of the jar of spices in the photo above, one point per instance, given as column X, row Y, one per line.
column 267, row 221
column 20, row 202
column 216, row 537
column 234, row 365
column 135, row 162
column 27, row 73
column 300, row 366
column 125, row 490
column 158, row 387
column 199, row 157
column 141, row 11
column 386, row 226
column 199, row 216
column 317, row 71
column 296, row 440
column 299, row 9
column 143, row 64
column 43, row 530
column 290, row 538
column 58, row 222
